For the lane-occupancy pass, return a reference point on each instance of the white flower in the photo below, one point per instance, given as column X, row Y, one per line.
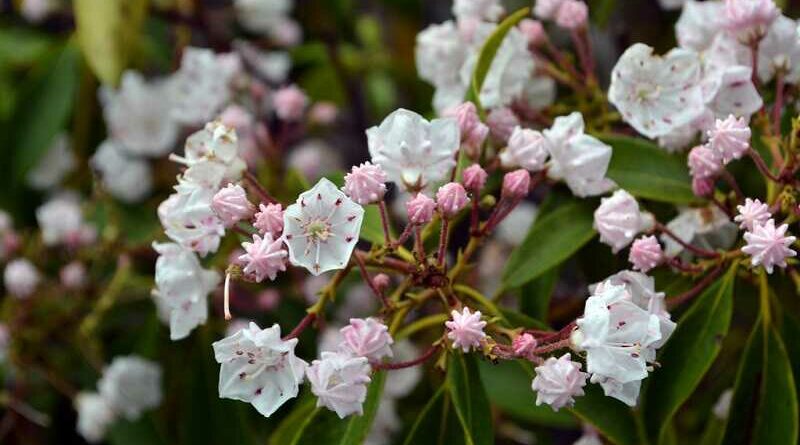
column 581, row 160
column 723, row 405
column 619, row 338
column 20, row 278
column 188, row 219
column 56, row 164
column 656, row 95
column 273, row 65
column 780, row 50
column 526, row 148
column 259, row 368
column 203, row 84
column 126, row 178
column 618, row 220
column 322, row 228
column 95, row 416
column 60, row 219
column 35, row 11
column 489, row 10
column 131, row 385
column 182, row 287
column 627, row 392
column 339, row 381
column 412, row 151
column 439, row 53
column 263, row 16
column 558, row 381
column 212, row 154
column 367, row 338
column 139, row 115
column 699, row 22
column 704, row 227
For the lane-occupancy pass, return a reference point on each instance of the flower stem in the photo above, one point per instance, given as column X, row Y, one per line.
column 385, row 223
column 304, row 323
column 259, row 189
column 400, row 365
column 370, row 282
column 699, row 287
column 443, row 235
column 696, row 250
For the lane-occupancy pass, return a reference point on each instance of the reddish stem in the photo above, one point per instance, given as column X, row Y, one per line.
column 696, row 250
column 400, row 365
column 370, row 282
column 259, row 189
column 304, row 323
column 699, row 287
column 443, row 241
column 385, row 223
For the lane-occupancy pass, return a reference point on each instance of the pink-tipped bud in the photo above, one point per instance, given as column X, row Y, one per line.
column 546, row 9
column 365, row 184
column 367, row 338
column 290, row 103
column 704, row 162
column 749, row 18
column 450, row 199
column 473, row 131
column 524, row 345
column 269, row 219
column 730, row 138
column 572, row 14
column 534, row 31
column 502, row 122
column 381, row 281
column 646, row 253
column 420, row 209
column 703, row 187
column 516, row 184
column 474, row 178
column 231, row 205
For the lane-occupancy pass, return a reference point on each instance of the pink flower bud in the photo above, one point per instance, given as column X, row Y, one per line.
column 473, row 131
column 546, row 9
column 323, row 113
column 769, row 245
column 21, row 278
column 231, row 204
column 502, row 122
column 269, row 219
column 450, row 199
column 73, row 275
column 533, row 31
column 236, row 117
column 516, row 184
column 572, row 14
column 753, row 213
column 290, row 103
column 730, row 138
column 558, row 381
column 420, row 209
column 703, row 187
column 524, row 345
column 365, row 184
column 704, row 162
column 474, row 178
column 645, row 253
column 466, row 329
column 264, row 257
column 381, row 281
column 367, row 338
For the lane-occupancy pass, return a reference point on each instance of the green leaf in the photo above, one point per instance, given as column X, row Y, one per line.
column 610, row 416
column 45, row 109
column 534, row 296
column 469, row 399
column 688, row 355
column 372, row 227
column 125, row 432
column 107, row 32
column 20, row 46
column 510, row 382
column 307, row 424
column 436, row 423
column 764, row 406
column 554, row 237
column 488, row 51
column 646, row 171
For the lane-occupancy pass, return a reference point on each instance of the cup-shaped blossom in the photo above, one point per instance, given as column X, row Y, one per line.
column 264, row 257
column 420, row 209
column 618, row 220
column 21, row 278
column 465, row 329
column 516, row 185
column 646, row 253
column 730, row 137
column 558, row 381
column 572, row 14
column 339, row 381
column 231, row 204
column 768, row 245
column 290, row 103
column 258, row 367
column 473, row 131
column 526, row 148
column 752, row 213
column 749, row 19
column 131, row 385
column 367, row 338
column 322, row 228
column 269, row 219
column 474, row 178
column 657, row 95
column 365, row 184
column 450, row 199
column 412, row 151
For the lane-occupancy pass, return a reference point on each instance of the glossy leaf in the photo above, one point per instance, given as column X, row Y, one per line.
column 688, row 355
column 107, row 31
column 307, row 424
column 488, row 51
column 646, row 171
column 470, row 403
column 764, row 407
column 554, row 237
column 44, row 109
